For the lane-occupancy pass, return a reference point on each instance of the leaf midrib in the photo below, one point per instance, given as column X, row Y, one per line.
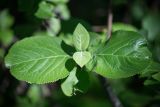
column 121, row 56
column 40, row 59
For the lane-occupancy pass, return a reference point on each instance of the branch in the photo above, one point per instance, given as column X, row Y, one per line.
column 110, row 18
column 99, row 28
column 109, row 91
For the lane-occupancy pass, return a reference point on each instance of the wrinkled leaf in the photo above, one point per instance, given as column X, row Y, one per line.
column 124, row 55
column 37, row 59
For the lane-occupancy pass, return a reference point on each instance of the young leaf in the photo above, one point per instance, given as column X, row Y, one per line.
column 37, row 59
column 123, row 56
column 81, row 38
column 82, row 58
column 68, row 85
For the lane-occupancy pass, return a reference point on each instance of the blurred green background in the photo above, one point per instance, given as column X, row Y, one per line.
column 25, row 18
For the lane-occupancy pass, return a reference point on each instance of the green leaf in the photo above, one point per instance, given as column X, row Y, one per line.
column 6, row 37
column 150, row 82
column 82, row 58
column 121, row 26
column 124, row 55
column 37, row 59
column 91, row 64
column 95, row 41
column 151, row 23
column 54, row 26
column 5, row 20
column 157, row 76
column 45, row 10
column 63, row 11
column 34, row 93
column 81, row 38
column 68, row 86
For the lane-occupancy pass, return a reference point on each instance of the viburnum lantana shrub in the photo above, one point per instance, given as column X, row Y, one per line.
column 45, row 59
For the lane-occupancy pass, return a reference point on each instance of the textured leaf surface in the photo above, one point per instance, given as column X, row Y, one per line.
column 81, row 38
column 69, row 84
column 82, row 58
column 123, row 56
column 37, row 60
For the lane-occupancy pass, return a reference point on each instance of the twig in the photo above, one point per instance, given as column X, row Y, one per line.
column 99, row 28
column 110, row 18
column 109, row 91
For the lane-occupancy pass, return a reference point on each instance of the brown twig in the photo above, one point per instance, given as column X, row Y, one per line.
column 109, row 91
column 98, row 28
column 110, row 18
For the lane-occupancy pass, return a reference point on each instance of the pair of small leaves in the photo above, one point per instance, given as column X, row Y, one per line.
column 81, row 41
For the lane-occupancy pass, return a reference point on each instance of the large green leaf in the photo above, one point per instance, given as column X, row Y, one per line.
column 123, row 56
column 37, row 59
column 81, row 38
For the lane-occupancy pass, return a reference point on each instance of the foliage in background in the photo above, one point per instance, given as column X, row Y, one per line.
column 50, row 18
